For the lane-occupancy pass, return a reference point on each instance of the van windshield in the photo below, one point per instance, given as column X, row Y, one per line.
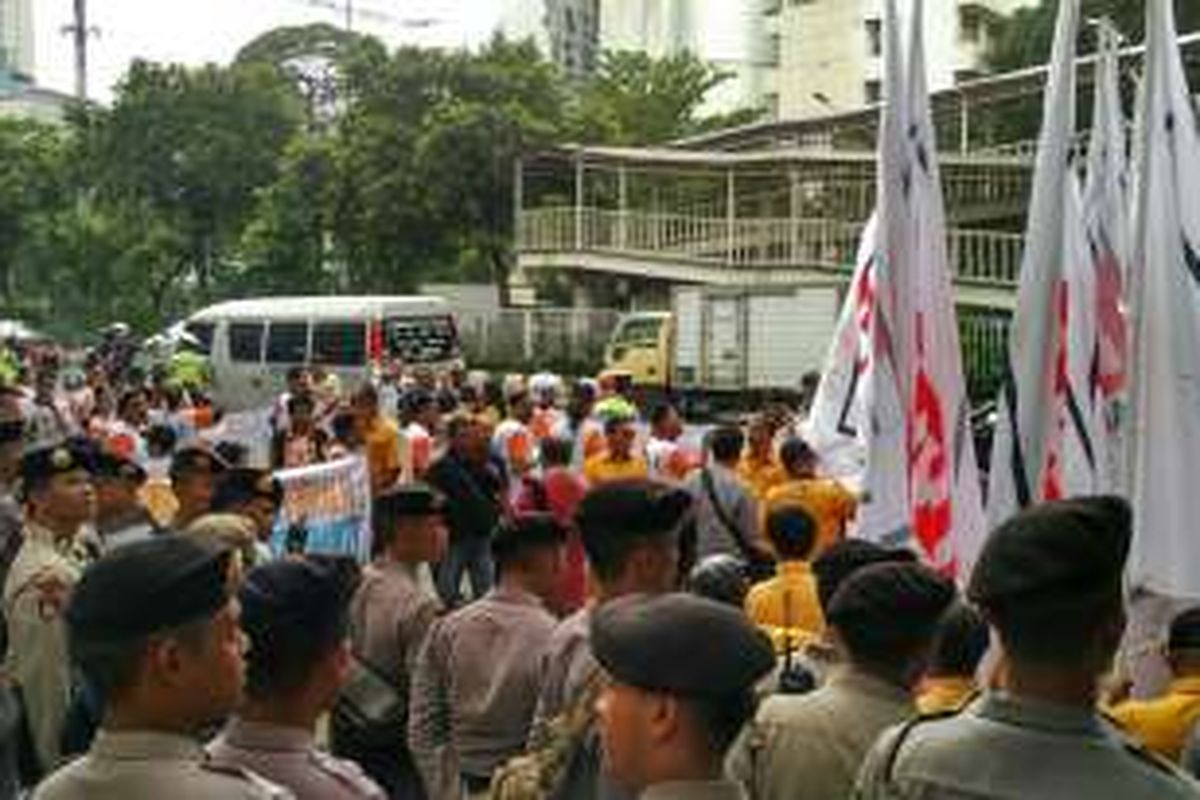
column 422, row 340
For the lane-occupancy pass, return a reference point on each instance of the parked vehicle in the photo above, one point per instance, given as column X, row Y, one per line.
column 719, row 344
column 253, row 343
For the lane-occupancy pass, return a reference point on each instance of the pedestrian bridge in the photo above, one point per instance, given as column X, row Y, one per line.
column 656, row 217
column 677, row 248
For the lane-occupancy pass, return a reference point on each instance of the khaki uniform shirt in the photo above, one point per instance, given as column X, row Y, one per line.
column 290, row 758
column 390, row 617
column 35, row 597
column 694, row 790
column 810, row 747
column 566, row 667
column 476, row 685
column 152, row 766
column 1007, row 748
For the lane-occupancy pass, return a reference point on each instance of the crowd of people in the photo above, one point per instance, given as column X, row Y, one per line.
column 568, row 597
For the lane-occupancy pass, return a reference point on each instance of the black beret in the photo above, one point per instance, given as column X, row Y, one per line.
column 415, row 499
column 1185, row 630
column 240, row 485
column 150, row 586
column 901, row 599
column 844, row 558
column 527, row 532
column 117, row 467
column 680, row 644
column 197, row 457
column 38, row 466
column 634, row 507
column 296, row 595
column 1069, row 551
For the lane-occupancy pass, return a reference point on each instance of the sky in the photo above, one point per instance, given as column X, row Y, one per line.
column 199, row 31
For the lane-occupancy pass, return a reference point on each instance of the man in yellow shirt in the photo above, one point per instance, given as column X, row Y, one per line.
column 962, row 640
column 384, row 446
column 759, row 469
column 787, row 606
column 832, row 505
column 618, row 461
column 1163, row 724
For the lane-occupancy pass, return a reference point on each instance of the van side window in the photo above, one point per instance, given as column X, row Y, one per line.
column 287, row 343
column 245, row 342
column 339, row 344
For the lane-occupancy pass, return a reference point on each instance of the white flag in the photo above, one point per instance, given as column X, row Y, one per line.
column 886, row 514
column 921, row 472
column 1106, row 219
column 1026, row 462
column 1164, row 294
column 837, row 422
column 943, row 475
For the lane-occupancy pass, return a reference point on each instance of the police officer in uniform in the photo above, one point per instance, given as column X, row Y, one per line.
column 154, row 628
column 296, row 616
column 681, row 671
column 59, row 502
column 390, row 617
column 1049, row 581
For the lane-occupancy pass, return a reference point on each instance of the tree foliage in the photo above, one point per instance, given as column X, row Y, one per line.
column 317, row 162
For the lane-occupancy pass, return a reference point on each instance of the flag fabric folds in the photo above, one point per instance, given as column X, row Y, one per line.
column 1164, row 296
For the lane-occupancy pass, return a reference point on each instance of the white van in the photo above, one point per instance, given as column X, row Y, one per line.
column 253, row 343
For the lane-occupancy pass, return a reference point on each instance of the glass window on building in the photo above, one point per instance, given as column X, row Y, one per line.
column 872, row 92
column 874, row 30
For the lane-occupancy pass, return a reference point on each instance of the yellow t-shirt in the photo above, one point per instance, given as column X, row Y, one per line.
column 603, row 469
column 940, row 695
column 1164, row 723
column 760, row 476
column 787, row 606
column 383, row 444
column 832, row 505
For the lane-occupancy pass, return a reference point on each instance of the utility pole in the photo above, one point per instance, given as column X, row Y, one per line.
column 79, row 32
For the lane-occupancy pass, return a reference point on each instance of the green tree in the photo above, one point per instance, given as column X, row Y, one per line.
column 635, row 99
column 190, row 147
column 33, row 174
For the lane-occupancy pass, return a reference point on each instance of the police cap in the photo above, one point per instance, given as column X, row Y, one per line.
column 294, row 595
column 416, row 499
column 901, row 600
column 241, row 485
column 39, row 465
column 114, row 466
column 680, row 644
column 1066, row 552
column 635, row 507
column 150, row 586
column 197, row 457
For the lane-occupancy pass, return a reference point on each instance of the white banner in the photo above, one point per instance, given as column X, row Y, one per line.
column 326, row 509
column 1164, row 294
column 1027, row 451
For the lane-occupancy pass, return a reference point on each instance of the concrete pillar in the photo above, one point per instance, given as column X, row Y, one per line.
column 578, row 203
column 730, row 214
column 622, row 206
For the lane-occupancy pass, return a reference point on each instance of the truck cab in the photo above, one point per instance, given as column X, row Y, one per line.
column 641, row 345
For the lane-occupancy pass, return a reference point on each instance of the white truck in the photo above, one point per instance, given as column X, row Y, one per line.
column 720, row 344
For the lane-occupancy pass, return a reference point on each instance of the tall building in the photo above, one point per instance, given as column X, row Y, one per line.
column 566, row 31
column 729, row 34
column 16, row 38
column 827, row 54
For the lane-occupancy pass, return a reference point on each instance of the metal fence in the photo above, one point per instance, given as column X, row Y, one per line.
column 567, row 340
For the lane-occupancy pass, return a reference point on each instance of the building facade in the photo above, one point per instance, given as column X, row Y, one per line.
column 16, row 38
column 566, row 31
column 827, row 54
column 729, row 34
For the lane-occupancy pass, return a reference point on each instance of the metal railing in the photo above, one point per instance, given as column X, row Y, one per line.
column 982, row 256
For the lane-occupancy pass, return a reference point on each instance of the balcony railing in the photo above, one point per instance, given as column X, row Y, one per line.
column 981, row 256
